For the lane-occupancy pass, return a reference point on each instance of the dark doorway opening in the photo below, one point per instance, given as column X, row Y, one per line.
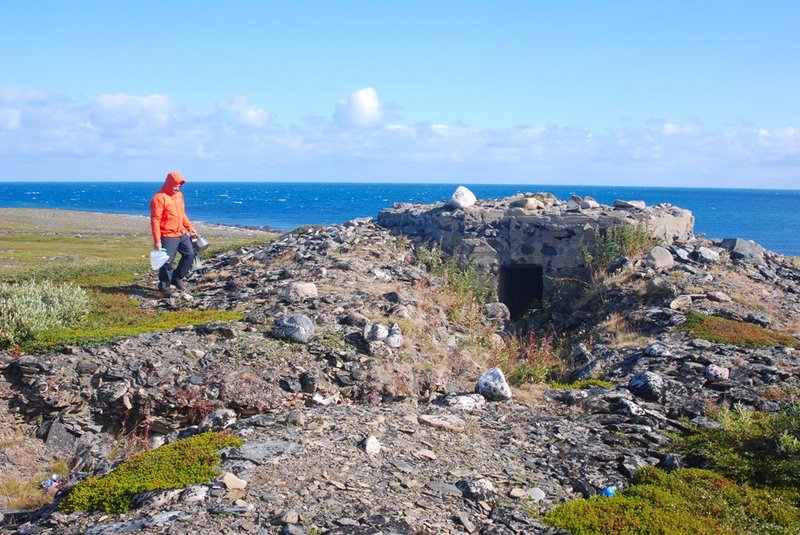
column 521, row 287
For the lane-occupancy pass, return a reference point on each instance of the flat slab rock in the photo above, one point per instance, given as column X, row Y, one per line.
column 447, row 422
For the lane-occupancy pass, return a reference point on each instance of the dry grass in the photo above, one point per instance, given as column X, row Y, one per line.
column 625, row 334
column 530, row 394
column 24, row 492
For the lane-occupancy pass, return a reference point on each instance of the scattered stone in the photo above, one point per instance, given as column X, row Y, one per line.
column 395, row 337
column 536, row 494
column 681, row 302
column 465, row 402
column 719, row 297
column 297, row 292
column 372, row 446
column 517, row 493
column 715, row 373
column 232, row 482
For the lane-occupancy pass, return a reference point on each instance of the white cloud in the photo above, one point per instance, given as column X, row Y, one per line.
column 45, row 136
column 245, row 114
column 361, row 109
column 10, row 118
column 120, row 110
column 678, row 129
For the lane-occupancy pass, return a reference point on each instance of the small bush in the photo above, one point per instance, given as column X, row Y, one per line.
column 752, row 446
column 179, row 464
column 29, row 308
column 680, row 502
column 625, row 239
column 725, row 331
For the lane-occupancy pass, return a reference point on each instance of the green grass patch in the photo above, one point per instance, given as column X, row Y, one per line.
column 176, row 465
column 751, row 446
column 725, row 331
column 107, row 256
column 683, row 501
column 583, row 384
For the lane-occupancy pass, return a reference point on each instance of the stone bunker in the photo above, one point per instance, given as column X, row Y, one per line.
column 530, row 241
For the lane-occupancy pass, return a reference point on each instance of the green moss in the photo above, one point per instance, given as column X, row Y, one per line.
column 680, row 502
column 725, row 331
column 583, row 384
column 182, row 463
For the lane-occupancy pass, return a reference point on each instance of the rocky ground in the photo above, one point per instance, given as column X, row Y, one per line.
column 354, row 390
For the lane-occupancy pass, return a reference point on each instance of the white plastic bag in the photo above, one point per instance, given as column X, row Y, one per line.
column 158, row 259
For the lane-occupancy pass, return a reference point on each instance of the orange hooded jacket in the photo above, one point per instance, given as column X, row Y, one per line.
column 167, row 212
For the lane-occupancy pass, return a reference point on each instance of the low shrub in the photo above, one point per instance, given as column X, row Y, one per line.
column 530, row 358
column 31, row 307
column 751, row 446
column 679, row 502
column 179, row 464
column 740, row 333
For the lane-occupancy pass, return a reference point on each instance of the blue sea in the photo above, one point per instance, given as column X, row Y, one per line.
column 769, row 217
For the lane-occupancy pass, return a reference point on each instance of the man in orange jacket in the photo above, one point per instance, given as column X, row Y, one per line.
column 172, row 231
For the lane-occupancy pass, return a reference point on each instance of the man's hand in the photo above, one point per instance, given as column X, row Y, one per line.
column 193, row 233
column 157, row 246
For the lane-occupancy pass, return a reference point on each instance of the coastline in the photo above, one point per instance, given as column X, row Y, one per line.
column 54, row 221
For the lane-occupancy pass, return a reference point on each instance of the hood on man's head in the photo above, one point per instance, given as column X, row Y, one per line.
column 174, row 178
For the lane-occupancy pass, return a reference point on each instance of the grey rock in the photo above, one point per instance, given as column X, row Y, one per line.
column 218, row 420
column 497, row 311
column 759, row 318
column 477, row 489
column 295, row 327
column 59, row 439
column 744, row 250
column 638, row 205
column 704, row 255
column 375, row 332
column 647, row 385
column 659, row 258
column 296, row 292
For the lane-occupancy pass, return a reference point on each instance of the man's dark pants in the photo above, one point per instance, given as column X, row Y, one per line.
column 183, row 245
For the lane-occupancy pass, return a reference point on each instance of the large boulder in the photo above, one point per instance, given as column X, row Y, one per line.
column 294, row 327
column 744, row 250
column 462, row 198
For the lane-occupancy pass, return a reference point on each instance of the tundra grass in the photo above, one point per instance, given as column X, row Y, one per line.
column 684, row 501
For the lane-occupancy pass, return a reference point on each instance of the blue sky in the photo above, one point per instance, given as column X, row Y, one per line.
column 570, row 92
